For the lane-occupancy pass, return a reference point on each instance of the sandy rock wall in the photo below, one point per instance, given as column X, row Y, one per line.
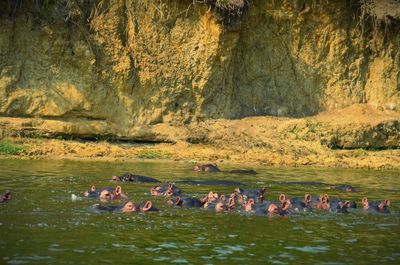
column 131, row 63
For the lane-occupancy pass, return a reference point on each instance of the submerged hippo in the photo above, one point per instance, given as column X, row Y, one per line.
column 211, row 182
column 302, row 204
column 186, row 202
column 5, row 197
column 168, row 189
column 214, row 168
column 206, row 168
column 375, row 206
column 345, row 188
column 126, row 207
column 105, row 193
column 128, row 177
column 257, row 195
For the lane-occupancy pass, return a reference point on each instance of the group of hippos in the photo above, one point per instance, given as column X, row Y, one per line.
column 243, row 200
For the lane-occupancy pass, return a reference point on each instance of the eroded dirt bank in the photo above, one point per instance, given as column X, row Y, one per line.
column 269, row 141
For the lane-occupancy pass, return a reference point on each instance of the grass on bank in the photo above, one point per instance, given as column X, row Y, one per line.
column 152, row 154
column 7, row 148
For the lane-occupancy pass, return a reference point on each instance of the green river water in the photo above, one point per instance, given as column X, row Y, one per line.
column 42, row 225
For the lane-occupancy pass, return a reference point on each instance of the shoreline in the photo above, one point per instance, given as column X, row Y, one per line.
column 53, row 149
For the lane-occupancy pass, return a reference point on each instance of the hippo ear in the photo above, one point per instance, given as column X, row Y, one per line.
column 387, row 202
column 178, row 201
column 147, row 206
column 231, row 203
column 93, row 188
column 118, row 190
column 282, row 198
column 364, row 200
column 8, row 196
column 286, row 204
column 222, row 197
column 250, row 201
column 307, row 197
column 347, row 204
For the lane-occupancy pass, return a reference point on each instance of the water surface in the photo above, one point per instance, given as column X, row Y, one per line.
column 42, row 225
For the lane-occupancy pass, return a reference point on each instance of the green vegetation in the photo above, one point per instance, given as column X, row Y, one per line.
column 152, row 154
column 9, row 148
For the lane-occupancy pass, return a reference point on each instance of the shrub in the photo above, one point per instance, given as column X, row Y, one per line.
column 9, row 148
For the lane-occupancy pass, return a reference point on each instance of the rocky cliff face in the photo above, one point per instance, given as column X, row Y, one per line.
column 131, row 63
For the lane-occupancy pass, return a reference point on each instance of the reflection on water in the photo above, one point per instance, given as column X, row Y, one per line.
column 42, row 225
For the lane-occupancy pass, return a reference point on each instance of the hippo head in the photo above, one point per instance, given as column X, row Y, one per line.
column 212, row 196
column 249, row 205
column 273, row 209
column 155, row 191
column 115, row 178
column 6, row 197
column 197, row 168
column 383, row 206
column 106, row 195
column 128, row 207
column 343, row 206
column 220, row 207
column 91, row 191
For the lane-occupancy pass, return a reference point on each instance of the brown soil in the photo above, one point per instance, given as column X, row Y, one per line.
column 269, row 141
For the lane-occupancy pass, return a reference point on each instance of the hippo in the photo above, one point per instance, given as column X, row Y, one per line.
column 220, row 206
column 214, row 168
column 271, row 209
column 374, row 206
column 211, row 168
column 323, row 203
column 249, row 205
column 211, row 182
column 168, row 189
column 345, row 188
column 6, row 197
column 257, row 195
column 185, row 202
column 128, row 177
column 338, row 206
column 105, row 193
column 126, row 207
column 302, row 204
column 210, row 197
